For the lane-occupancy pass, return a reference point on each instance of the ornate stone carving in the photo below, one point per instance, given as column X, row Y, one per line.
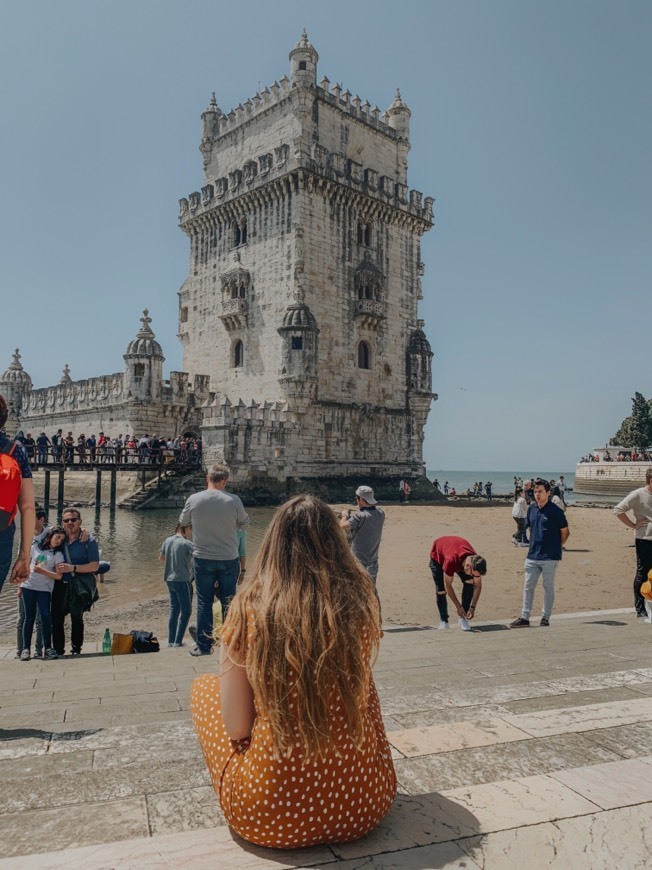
column 250, row 171
column 265, row 163
column 281, row 155
column 207, row 193
column 235, row 179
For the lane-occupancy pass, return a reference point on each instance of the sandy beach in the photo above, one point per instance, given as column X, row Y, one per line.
column 596, row 572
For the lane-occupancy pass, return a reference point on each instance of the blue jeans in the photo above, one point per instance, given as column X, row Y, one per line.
column 180, row 609
column 6, row 551
column 535, row 568
column 33, row 598
column 208, row 573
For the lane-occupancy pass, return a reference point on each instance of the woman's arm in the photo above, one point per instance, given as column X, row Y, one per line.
column 52, row 575
column 237, row 697
column 27, row 510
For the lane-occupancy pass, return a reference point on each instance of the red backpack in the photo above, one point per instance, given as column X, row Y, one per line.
column 11, row 480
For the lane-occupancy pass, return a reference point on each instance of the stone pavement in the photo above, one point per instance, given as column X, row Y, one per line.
column 525, row 747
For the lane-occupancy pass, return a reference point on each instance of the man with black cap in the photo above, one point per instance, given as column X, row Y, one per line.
column 366, row 527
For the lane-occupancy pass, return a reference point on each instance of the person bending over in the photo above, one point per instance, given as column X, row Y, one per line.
column 291, row 729
column 453, row 555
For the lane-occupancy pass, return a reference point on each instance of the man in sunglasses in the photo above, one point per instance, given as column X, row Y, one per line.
column 454, row 555
column 82, row 557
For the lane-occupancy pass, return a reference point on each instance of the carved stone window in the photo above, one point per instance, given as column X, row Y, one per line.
column 297, row 342
column 240, row 233
column 238, row 354
column 183, row 317
column 236, row 291
column 369, row 286
column 364, row 234
column 364, row 355
column 302, row 64
column 139, row 370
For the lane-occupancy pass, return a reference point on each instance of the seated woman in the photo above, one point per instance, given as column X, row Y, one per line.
column 291, row 729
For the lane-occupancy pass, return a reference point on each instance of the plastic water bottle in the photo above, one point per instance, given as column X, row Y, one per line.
column 106, row 643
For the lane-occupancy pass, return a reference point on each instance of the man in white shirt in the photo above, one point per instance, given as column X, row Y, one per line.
column 639, row 504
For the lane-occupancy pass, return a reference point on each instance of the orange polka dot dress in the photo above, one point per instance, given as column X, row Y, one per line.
column 284, row 803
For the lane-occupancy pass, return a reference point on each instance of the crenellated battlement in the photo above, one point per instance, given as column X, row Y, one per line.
column 221, row 411
column 279, row 91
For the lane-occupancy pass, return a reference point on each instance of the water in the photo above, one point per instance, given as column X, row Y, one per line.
column 130, row 541
column 503, row 481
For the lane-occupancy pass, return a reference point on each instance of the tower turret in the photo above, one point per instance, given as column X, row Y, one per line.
column 144, row 360
column 303, row 63
column 299, row 353
column 419, row 362
column 399, row 120
column 15, row 385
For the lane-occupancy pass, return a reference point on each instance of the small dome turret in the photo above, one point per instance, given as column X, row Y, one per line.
column 399, row 116
column 65, row 376
column 145, row 344
column 419, row 343
column 303, row 62
column 16, row 375
column 211, row 119
column 299, row 316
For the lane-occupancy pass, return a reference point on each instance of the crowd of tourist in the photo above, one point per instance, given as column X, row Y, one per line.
column 88, row 451
column 621, row 456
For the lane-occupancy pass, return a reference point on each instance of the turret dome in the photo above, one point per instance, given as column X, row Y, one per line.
column 16, row 374
column 145, row 344
column 419, row 343
column 299, row 316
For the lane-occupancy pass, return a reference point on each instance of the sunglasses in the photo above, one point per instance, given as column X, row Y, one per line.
column 74, row 520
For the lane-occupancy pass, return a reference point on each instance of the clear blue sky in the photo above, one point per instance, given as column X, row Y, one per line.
column 531, row 125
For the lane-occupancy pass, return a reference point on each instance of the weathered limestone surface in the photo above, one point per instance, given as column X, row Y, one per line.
column 502, row 749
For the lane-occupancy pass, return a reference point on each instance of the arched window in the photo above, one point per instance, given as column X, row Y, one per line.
column 240, row 233
column 364, row 234
column 238, row 354
column 365, row 292
column 364, row 356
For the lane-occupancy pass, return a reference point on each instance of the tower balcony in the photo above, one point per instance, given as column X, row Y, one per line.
column 234, row 313
column 370, row 312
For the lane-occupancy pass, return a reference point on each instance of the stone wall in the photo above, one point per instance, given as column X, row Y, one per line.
column 609, row 478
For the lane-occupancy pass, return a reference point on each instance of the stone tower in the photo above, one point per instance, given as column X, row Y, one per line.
column 144, row 360
column 15, row 386
column 301, row 301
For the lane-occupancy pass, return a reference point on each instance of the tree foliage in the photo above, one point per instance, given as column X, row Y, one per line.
column 636, row 430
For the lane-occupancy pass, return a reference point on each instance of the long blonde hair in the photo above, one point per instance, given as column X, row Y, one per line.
column 316, row 627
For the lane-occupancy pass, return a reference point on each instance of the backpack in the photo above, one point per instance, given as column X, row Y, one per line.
column 144, row 642
column 11, row 480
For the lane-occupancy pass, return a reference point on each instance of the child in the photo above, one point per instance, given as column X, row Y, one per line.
column 176, row 552
column 36, row 591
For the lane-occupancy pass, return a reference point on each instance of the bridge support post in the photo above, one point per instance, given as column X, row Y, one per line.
column 98, row 489
column 46, row 491
column 114, row 475
column 60, row 493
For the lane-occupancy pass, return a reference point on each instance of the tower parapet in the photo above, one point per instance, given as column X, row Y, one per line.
column 144, row 364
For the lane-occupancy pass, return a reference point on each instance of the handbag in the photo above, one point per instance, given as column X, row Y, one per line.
column 121, row 644
column 81, row 593
column 144, row 642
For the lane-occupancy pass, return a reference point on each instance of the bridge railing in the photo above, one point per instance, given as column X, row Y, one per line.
column 122, row 458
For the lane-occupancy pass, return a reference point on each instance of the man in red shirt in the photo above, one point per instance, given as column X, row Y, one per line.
column 453, row 555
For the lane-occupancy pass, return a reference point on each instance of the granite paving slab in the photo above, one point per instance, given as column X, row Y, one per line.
column 87, row 787
column 584, row 718
column 628, row 741
column 513, row 803
column 187, row 809
column 105, row 822
column 611, row 785
column 431, row 739
column 502, row 761
column 571, row 699
column 620, row 838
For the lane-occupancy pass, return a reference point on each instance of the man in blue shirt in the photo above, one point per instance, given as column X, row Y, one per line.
column 84, row 556
column 548, row 534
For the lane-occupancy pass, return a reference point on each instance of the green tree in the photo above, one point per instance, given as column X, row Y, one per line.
column 636, row 430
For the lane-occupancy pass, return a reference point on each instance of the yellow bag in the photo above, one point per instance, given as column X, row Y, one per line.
column 121, row 644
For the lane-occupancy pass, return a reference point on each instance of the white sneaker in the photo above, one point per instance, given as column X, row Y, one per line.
column 443, row 625
column 464, row 624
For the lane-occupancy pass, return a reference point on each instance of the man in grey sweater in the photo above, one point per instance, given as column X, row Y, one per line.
column 215, row 517
column 639, row 503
